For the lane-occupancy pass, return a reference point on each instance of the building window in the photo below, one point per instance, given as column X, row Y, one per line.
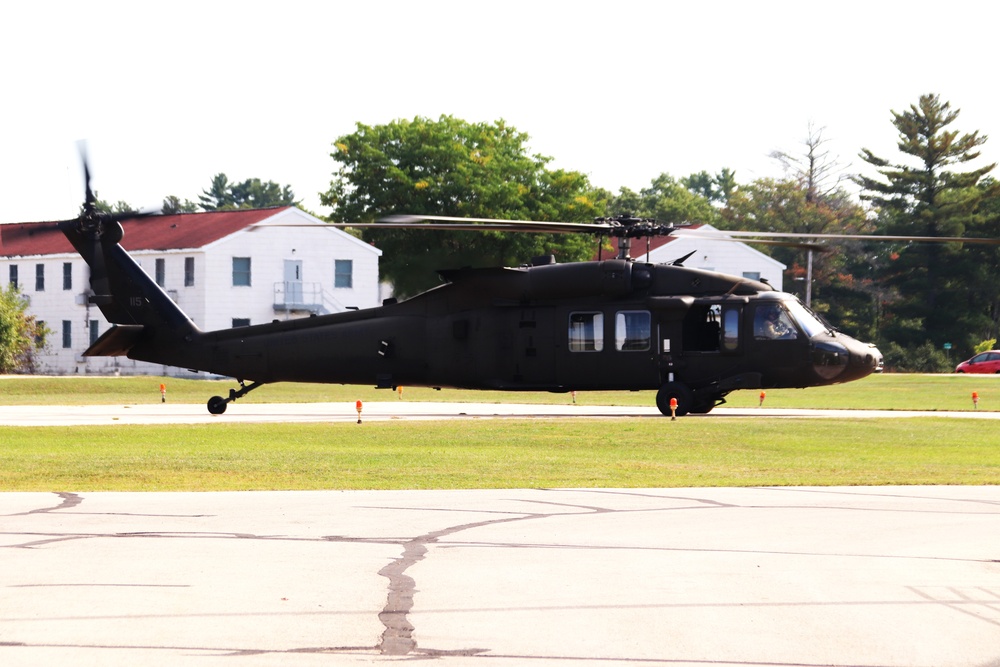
column 241, row 272
column 39, row 277
column 95, row 331
column 241, row 322
column 67, row 276
column 343, row 273
column 12, row 273
column 586, row 332
column 632, row 330
column 752, row 275
column 161, row 272
column 40, row 333
column 189, row 272
column 67, row 331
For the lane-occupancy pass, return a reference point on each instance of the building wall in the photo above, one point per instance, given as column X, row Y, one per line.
column 316, row 246
column 59, row 308
column 730, row 257
column 212, row 302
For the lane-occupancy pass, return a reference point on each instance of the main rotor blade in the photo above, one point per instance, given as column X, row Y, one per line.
column 849, row 237
column 444, row 222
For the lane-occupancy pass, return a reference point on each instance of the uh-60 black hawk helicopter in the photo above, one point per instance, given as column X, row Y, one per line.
column 618, row 324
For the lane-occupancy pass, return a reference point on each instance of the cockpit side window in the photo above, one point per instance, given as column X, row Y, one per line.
column 772, row 322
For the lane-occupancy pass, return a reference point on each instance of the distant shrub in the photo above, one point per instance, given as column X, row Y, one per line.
column 925, row 358
column 985, row 346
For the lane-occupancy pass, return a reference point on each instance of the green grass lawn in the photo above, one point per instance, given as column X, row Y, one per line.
column 503, row 453
column 887, row 392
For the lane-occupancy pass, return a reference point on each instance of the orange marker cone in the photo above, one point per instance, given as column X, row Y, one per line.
column 358, row 407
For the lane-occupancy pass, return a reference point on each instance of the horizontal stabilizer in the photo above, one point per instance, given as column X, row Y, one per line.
column 116, row 341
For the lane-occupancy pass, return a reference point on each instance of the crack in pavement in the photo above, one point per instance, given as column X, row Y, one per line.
column 397, row 639
column 69, row 500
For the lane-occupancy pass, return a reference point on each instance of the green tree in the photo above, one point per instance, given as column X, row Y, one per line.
column 717, row 189
column 927, row 195
column 668, row 200
column 452, row 167
column 173, row 205
column 21, row 335
column 985, row 263
column 787, row 205
column 107, row 208
column 251, row 193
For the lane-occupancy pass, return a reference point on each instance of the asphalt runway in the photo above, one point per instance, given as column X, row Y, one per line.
column 760, row 576
column 885, row 576
column 175, row 413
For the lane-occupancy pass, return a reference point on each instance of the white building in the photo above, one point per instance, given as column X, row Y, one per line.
column 732, row 257
column 223, row 268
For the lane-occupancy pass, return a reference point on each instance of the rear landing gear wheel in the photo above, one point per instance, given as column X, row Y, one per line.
column 677, row 390
column 217, row 405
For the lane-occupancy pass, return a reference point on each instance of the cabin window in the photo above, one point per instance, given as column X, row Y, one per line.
column 241, row 322
column 161, row 271
column 12, row 275
column 343, row 273
column 701, row 328
column 586, row 332
column 632, row 330
column 67, row 276
column 731, row 329
column 241, row 272
column 189, row 272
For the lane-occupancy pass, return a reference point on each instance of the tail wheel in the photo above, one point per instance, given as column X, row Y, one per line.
column 677, row 390
column 217, row 405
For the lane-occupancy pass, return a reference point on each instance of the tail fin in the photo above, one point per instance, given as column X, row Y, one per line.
column 125, row 293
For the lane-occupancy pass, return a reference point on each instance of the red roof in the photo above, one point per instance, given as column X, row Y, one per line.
column 157, row 232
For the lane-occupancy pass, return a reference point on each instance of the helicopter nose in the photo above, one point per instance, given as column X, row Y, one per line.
column 878, row 363
column 865, row 359
column 845, row 359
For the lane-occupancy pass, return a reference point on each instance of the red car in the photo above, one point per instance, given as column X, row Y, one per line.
column 984, row 362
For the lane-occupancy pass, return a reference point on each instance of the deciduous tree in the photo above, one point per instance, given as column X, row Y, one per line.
column 668, row 200
column 251, row 193
column 452, row 167
column 21, row 335
column 173, row 205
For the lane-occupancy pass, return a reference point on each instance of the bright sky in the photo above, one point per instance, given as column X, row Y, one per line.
column 167, row 94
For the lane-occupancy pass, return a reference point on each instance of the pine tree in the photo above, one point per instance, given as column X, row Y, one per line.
column 928, row 196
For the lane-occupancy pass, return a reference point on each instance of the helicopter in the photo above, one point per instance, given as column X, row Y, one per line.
column 693, row 335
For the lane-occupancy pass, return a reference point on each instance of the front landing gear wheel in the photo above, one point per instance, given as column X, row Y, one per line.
column 217, row 405
column 677, row 390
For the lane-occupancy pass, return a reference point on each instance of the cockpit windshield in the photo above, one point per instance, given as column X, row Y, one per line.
column 809, row 322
